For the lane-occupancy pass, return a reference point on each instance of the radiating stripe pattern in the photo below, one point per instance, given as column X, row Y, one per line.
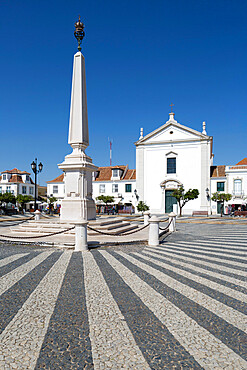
column 179, row 305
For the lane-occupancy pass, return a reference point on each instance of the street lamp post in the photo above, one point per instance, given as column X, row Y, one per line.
column 36, row 169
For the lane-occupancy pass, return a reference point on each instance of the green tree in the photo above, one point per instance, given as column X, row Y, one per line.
column 222, row 198
column 23, row 199
column 7, row 198
column 106, row 198
column 183, row 197
column 142, row 206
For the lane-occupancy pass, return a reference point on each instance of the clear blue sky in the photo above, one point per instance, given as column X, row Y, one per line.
column 140, row 57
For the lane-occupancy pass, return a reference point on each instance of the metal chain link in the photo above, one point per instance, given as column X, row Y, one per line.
column 116, row 234
column 37, row 236
column 18, row 223
column 164, row 230
column 160, row 228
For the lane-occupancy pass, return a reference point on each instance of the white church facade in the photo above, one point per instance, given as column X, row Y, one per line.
column 171, row 156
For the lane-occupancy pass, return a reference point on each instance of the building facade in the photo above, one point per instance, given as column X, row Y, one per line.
column 231, row 180
column 16, row 182
column 116, row 181
column 56, row 188
column 171, row 156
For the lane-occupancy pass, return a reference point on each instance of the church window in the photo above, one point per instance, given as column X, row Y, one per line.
column 115, row 188
column 102, row 188
column 128, row 188
column 220, row 186
column 171, row 165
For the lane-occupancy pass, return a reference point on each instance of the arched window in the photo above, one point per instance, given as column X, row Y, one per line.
column 237, row 187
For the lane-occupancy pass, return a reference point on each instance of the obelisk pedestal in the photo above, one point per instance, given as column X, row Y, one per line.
column 77, row 166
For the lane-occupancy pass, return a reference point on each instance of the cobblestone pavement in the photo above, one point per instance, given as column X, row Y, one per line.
column 181, row 305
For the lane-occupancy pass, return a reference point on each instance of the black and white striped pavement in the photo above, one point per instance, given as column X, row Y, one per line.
column 181, row 305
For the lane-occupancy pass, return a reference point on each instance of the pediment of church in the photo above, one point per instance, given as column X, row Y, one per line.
column 172, row 131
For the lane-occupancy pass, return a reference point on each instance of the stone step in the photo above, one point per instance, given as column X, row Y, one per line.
column 50, row 222
column 43, row 231
column 104, row 223
column 36, row 231
column 114, row 226
column 122, row 229
column 52, row 226
column 45, row 226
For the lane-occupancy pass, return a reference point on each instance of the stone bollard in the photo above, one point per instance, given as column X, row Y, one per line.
column 146, row 217
column 172, row 219
column 81, row 235
column 153, row 240
column 37, row 215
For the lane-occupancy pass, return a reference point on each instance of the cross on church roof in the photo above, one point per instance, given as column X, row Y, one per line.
column 171, row 105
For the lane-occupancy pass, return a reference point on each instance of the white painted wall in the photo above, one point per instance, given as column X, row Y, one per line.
column 192, row 151
column 239, row 173
column 50, row 190
column 188, row 172
column 213, row 186
column 127, row 197
column 232, row 173
column 17, row 188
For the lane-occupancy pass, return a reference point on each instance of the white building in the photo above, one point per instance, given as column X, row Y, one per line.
column 16, row 182
column 232, row 180
column 171, row 156
column 56, row 188
column 168, row 157
column 116, row 181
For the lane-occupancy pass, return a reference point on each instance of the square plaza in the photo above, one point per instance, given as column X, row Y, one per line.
column 180, row 305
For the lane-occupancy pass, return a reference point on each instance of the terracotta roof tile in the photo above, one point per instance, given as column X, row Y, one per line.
column 16, row 178
column 57, row 179
column 218, row 171
column 105, row 173
column 238, row 167
column 130, row 175
column 16, row 171
column 242, row 163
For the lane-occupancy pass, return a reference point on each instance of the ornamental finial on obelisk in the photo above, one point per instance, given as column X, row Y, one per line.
column 79, row 32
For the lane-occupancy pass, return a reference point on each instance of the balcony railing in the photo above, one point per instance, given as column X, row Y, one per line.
column 238, row 194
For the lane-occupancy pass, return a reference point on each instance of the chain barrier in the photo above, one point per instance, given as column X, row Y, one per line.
column 17, row 223
column 36, row 236
column 166, row 219
column 124, row 233
column 163, row 229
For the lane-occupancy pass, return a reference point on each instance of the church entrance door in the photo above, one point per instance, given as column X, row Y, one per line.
column 169, row 201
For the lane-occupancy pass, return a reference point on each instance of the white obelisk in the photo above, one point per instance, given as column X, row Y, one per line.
column 77, row 166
